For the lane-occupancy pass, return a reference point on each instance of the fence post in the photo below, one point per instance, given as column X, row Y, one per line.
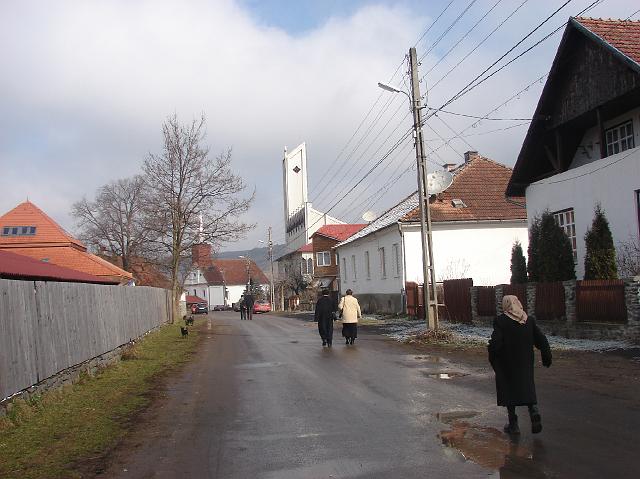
column 499, row 295
column 474, row 304
column 632, row 300
column 570, row 299
column 531, row 298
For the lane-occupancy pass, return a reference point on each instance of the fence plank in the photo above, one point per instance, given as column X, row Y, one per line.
column 550, row 301
column 457, row 299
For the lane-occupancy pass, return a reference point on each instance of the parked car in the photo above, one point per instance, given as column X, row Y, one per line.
column 199, row 308
column 262, row 306
column 221, row 307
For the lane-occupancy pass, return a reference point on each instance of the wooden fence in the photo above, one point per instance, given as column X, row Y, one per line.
column 601, row 301
column 486, row 302
column 46, row 327
column 550, row 301
column 457, row 299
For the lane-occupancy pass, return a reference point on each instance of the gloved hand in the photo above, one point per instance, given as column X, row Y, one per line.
column 546, row 361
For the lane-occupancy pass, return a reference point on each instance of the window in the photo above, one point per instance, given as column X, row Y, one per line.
column 353, row 267
column 383, row 263
column 619, row 138
column 344, row 268
column 310, row 266
column 323, row 258
column 303, row 266
column 367, row 267
column 396, row 259
column 566, row 221
column 18, row 230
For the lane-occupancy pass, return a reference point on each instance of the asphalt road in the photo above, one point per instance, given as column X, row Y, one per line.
column 263, row 399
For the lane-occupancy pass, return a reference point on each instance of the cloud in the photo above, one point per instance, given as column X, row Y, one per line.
column 87, row 86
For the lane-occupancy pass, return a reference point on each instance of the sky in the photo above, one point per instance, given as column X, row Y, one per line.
column 86, row 86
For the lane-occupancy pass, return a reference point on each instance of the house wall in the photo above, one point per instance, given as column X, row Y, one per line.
column 320, row 244
column 216, row 296
column 376, row 293
column 481, row 251
column 612, row 181
column 235, row 291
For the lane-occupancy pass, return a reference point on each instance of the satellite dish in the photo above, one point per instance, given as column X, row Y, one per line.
column 369, row 216
column 438, row 181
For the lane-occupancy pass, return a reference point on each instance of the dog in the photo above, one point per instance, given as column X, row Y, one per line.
column 189, row 321
column 184, row 331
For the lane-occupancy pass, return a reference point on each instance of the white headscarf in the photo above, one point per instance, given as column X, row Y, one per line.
column 513, row 308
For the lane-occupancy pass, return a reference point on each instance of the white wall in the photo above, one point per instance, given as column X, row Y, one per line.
column 481, row 251
column 216, row 296
column 376, row 284
column 611, row 181
column 235, row 292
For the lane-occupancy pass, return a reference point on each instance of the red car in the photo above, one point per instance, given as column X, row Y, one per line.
column 262, row 306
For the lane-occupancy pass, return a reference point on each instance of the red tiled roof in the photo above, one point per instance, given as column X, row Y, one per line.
column 234, row 272
column 308, row 248
column 53, row 243
column 480, row 184
column 16, row 266
column 189, row 299
column 621, row 34
column 145, row 272
column 339, row 232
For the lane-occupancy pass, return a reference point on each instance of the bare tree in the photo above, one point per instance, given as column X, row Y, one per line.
column 113, row 221
column 628, row 257
column 190, row 198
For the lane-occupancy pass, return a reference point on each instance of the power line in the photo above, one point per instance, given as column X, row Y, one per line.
column 481, row 117
column 479, row 44
column 460, row 40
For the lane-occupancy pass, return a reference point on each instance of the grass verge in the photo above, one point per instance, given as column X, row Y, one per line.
column 48, row 436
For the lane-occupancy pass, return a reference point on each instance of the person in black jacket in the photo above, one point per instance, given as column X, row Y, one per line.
column 325, row 316
column 248, row 301
column 511, row 356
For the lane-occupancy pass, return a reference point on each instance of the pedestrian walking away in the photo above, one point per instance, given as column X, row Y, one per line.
column 349, row 312
column 325, row 316
column 243, row 308
column 248, row 299
column 511, row 355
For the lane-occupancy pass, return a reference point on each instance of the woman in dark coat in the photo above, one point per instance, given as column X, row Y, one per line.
column 511, row 356
column 325, row 317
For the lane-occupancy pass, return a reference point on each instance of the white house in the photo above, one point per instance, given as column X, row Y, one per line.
column 474, row 228
column 582, row 147
column 221, row 281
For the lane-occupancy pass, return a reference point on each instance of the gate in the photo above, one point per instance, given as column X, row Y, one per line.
column 550, row 301
column 601, row 301
column 486, row 300
column 457, row 299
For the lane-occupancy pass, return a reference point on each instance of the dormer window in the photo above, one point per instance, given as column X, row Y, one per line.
column 458, row 203
column 619, row 138
column 18, row 230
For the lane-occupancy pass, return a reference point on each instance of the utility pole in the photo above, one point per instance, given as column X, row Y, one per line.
column 428, row 270
column 271, row 261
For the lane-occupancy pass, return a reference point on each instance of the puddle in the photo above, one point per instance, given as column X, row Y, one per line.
column 444, row 375
column 492, row 449
column 294, row 342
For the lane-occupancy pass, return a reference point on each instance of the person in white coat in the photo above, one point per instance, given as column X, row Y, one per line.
column 349, row 312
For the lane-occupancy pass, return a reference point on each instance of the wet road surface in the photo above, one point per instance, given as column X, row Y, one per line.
column 263, row 399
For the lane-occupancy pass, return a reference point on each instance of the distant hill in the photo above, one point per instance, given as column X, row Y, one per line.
column 259, row 255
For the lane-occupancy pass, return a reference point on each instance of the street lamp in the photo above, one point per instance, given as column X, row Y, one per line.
column 428, row 269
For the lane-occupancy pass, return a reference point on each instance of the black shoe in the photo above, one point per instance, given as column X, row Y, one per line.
column 347, row 343
column 536, row 421
column 329, row 344
column 324, row 343
column 512, row 426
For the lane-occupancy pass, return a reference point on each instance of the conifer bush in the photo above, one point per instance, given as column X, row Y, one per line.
column 550, row 252
column 518, row 264
column 600, row 259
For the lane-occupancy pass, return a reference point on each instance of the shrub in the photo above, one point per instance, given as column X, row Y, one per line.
column 550, row 251
column 600, row 259
column 518, row 264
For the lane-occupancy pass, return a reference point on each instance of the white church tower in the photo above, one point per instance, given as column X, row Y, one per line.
column 300, row 219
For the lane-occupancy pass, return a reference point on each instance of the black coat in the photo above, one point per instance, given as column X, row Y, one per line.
column 324, row 315
column 511, row 356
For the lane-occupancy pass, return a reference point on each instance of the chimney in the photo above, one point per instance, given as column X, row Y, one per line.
column 449, row 166
column 470, row 156
column 201, row 254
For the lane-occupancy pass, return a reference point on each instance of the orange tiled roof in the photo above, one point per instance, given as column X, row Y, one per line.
column 480, row 184
column 339, row 232
column 621, row 34
column 53, row 244
column 234, row 272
